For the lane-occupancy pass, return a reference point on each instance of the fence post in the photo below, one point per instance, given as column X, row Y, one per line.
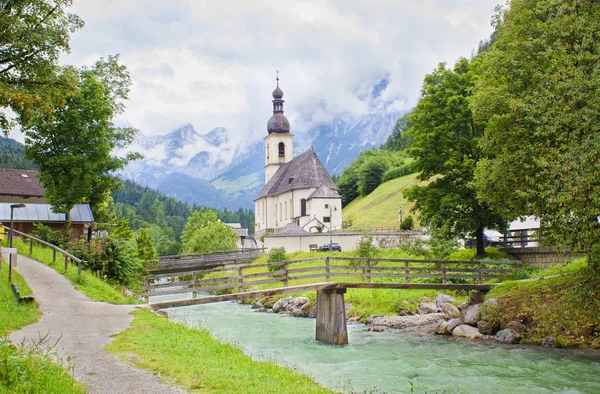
column 368, row 270
column 406, row 273
column 327, row 272
column 79, row 269
column 194, row 286
column 66, row 263
column 479, row 280
column 53, row 256
column 30, row 247
column 146, row 298
column 443, row 273
column 285, row 277
column 241, row 280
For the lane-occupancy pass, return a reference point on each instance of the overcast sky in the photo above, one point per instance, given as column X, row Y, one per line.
column 213, row 63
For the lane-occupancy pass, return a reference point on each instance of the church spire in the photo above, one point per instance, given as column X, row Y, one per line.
column 278, row 122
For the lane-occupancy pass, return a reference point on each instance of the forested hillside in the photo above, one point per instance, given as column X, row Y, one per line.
column 12, row 155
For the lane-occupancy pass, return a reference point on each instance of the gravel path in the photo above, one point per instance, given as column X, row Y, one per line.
column 84, row 328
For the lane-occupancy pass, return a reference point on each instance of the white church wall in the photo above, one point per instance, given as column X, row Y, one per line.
column 320, row 208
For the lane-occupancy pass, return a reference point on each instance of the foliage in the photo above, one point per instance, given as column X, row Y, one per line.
column 34, row 369
column 407, row 223
column 371, row 173
column 446, row 152
column 75, row 152
column 34, row 34
column 396, row 172
column 204, row 233
column 348, row 184
column 15, row 315
column 491, row 253
column 146, row 251
column 155, row 344
column 276, row 255
column 399, row 139
column 12, row 155
column 539, row 89
column 366, row 249
column 58, row 238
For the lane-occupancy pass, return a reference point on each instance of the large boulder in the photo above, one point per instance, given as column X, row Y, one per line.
column 450, row 311
column 441, row 299
column 280, row 305
column 470, row 315
column 507, row 336
column 466, row 331
column 258, row 305
column 453, row 323
column 427, row 307
column 298, row 307
column 443, row 329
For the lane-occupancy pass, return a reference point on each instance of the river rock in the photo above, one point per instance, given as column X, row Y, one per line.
column 353, row 320
column 486, row 327
column 516, row 327
column 377, row 329
column 507, row 336
column 453, row 323
column 466, row 331
column 441, row 299
column 450, row 311
column 463, row 305
column 443, row 329
column 258, row 305
column 162, row 313
column 313, row 311
column 280, row 305
column 406, row 321
column 470, row 315
column 427, row 307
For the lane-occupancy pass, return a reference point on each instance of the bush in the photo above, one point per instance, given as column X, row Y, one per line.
column 407, row 223
column 366, row 249
column 276, row 255
column 397, row 172
column 58, row 238
column 370, row 174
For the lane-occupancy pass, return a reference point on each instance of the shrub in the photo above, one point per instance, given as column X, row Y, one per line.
column 366, row 249
column 407, row 223
column 397, row 172
column 276, row 255
column 58, row 238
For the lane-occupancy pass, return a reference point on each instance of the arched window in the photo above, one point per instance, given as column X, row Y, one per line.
column 286, row 210
column 303, row 207
column 281, row 149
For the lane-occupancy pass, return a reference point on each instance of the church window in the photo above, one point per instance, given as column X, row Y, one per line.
column 326, row 219
column 281, row 149
column 303, row 207
column 286, row 211
column 326, row 206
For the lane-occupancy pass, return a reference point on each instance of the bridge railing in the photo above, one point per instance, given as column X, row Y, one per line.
column 239, row 278
column 55, row 249
column 523, row 238
column 188, row 262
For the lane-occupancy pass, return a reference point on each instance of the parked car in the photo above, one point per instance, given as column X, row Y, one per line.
column 330, row 247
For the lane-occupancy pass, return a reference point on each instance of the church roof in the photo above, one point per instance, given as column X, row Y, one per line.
column 303, row 172
column 324, row 192
column 291, row 228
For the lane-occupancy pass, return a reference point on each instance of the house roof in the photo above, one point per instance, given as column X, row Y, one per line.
column 42, row 213
column 20, row 183
column 291, row 228
column 303, row 172
column 324, row 192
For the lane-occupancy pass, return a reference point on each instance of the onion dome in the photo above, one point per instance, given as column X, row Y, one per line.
column 278, row 122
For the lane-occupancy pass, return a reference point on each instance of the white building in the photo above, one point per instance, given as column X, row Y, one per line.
column 297, row 190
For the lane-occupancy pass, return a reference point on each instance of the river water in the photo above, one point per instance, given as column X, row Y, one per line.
column 388, row 362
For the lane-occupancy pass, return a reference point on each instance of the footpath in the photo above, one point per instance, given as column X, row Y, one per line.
column 82, row 328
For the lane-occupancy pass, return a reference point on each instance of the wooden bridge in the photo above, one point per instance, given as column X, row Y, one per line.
column 328, row 276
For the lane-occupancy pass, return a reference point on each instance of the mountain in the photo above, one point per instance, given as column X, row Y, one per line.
column 210, row 170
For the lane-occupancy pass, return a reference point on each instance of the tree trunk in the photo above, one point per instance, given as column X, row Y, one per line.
column 480, row 242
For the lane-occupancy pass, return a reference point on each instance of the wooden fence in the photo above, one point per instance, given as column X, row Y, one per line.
column 55, row 249
column 190, row 262
column 528, row 237
column 371, row 273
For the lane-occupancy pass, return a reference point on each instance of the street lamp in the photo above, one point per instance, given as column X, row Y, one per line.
column 400, row 219
column 331, row 210
column 10, row 238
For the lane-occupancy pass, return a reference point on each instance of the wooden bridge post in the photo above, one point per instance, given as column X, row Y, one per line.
column 444, row 273
column 368, row 270
column 241, row 280
column 194, row 286
column 285, row 275
column 406, row 272
column 331, row 317
column 66, row 263
column 327, row 272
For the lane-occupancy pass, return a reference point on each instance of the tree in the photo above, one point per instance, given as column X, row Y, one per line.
column 540, row 92
column 33, row 35
column 146, row 251
column 204, row 233
column 446, row 152
column 76, row 151
column 370, row 173
column 400, row 139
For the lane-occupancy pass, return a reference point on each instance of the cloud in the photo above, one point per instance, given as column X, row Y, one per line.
column 212, row 63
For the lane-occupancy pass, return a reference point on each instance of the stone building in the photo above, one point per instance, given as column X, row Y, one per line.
column 297, row 190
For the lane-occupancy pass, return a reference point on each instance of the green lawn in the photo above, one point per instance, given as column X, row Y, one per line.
column 196, row 361
column 380, row 208
column 89, row 284
column 14, row 316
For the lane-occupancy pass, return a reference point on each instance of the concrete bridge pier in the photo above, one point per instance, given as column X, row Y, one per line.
column 331, row 317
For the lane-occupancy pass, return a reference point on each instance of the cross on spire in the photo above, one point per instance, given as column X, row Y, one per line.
column 277, row 79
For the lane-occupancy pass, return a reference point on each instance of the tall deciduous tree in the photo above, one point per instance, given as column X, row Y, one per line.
column 33, row 34
column 75, row 152
column 204, row 233
column 540, row 93
column 446, row 152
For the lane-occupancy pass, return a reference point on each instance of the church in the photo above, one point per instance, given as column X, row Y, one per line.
column 299, row 196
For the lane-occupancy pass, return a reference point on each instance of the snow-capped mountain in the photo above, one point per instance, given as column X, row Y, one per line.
column 207, row 169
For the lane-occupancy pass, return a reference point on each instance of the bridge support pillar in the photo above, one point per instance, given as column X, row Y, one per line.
column 331, row 317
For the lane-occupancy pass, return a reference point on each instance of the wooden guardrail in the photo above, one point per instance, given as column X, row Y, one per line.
column 409, row 273
column 527, row 237
column 189, row 262
column 68, row 256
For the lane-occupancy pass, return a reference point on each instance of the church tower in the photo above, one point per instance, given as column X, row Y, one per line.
column 278, row 142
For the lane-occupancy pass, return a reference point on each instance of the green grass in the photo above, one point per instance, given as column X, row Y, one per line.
column 196, row 361
column 14, row 316
column 27, row 369
column 89, row 284
column 380, row 208
column 560, row 302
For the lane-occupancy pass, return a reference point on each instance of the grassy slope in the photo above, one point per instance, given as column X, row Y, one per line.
column 380, row 208
column 200, row 363
column 89, row 284
column 14, row 316
column 563, row 304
